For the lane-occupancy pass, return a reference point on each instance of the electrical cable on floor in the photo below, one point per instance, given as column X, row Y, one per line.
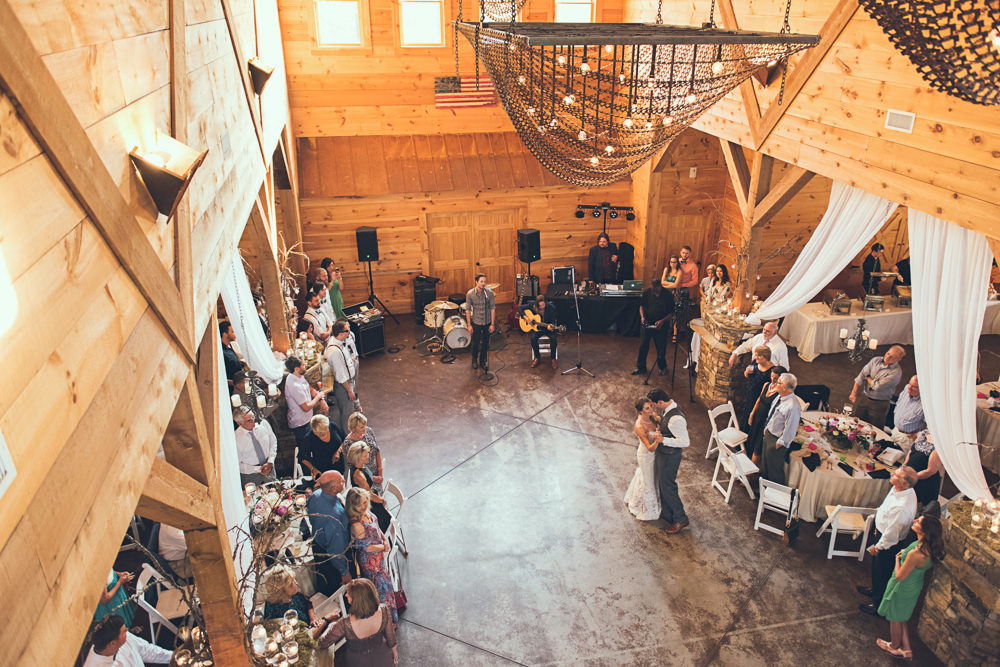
column 395, row 349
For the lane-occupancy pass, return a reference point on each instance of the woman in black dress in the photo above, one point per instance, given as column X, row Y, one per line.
column 927, row 463
column 757, row 375
column 758, row 416
column 357, row 458
column 321, row 447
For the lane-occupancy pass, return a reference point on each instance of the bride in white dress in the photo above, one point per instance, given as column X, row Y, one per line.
column 643, row 495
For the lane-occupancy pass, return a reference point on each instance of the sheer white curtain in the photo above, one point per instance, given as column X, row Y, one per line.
column 950, row 267
column 250, row 335
column 851, row 220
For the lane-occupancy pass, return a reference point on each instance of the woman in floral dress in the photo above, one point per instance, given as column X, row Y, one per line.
column 371, row 547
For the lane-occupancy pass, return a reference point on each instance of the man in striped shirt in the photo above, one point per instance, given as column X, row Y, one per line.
column 909, row 416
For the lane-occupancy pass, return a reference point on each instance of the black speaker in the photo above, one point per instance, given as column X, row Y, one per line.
column 369, row 336
column 626, row 261
column 367, row 244
column 529, row 245
column 423, row 293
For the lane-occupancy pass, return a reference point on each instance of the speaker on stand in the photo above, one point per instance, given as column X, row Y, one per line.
column 367, row 238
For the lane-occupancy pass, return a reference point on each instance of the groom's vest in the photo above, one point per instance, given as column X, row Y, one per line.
column 665, row 419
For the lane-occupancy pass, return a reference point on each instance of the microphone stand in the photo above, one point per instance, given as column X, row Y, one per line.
column 579, row 358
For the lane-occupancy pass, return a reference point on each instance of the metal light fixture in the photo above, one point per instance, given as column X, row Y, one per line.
column 166, row 170
column 259, row 74
column 606, row 210
column 259, row 397
column 954, row 45
column 860, row 346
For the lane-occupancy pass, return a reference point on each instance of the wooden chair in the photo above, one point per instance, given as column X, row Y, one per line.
column 777, row 498
column 856, row 520
column 731, row 434
column 738, row 465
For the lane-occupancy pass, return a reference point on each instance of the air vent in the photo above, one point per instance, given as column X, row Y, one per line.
column 901, row 121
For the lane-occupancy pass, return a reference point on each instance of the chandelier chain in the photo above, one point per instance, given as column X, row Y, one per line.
column 454, row 29
column 711, row 15
column 659, row 13
column 786, row 27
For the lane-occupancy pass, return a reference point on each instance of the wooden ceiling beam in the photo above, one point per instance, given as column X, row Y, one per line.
column 739, row 172
column 46, row 111
column 751, row 105
column 666, row 158
column 791, row 183
column 173, row 498
column 274, row 299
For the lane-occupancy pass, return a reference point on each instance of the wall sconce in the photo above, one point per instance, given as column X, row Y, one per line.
column 166, row 170
column 768, row 74
column 259, row 74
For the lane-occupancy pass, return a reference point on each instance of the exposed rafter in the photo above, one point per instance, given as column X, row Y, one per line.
column 750, row 104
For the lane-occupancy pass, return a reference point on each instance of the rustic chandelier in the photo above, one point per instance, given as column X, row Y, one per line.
column 594, row 101
column 954, row 44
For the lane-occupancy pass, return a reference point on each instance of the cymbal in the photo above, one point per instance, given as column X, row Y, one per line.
column 493, row 287
column 441, row 305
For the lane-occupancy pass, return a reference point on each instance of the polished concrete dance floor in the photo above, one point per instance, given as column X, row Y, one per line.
column 523, row 553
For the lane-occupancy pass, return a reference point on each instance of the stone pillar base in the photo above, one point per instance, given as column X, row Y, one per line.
column 720, row 335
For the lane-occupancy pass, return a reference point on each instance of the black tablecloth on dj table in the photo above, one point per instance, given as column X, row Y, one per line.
column 597, row 313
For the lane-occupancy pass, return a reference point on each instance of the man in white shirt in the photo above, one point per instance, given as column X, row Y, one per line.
column 301, row 398
column 325, row 305
column 672, row 439
column 256, row 447
column 115, row 646
column 769, row 337
column 892, row 523
column 781, row 426
column 321, row 326
column 344, row 366
column 173, row 548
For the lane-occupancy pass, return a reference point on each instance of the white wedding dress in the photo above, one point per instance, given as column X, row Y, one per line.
column 643, row 495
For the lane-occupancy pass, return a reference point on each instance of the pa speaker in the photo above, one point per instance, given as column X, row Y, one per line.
column 529, row 245
column 367, row 244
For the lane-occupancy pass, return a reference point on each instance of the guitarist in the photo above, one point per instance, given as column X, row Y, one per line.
column 547, row 327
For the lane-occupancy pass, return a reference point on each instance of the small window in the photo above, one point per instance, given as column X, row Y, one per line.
column 574, row 12
column 339, row 23
column 421, row 23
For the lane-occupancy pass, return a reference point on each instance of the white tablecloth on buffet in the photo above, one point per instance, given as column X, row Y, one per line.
column 823, row 487
column 813, row 331
column 988, row 427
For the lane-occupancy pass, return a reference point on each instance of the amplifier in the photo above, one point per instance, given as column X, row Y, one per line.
column 527, row 286
column 564, row 275
column 369, row 334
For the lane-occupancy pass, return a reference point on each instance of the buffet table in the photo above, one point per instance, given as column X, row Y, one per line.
column 813, row 331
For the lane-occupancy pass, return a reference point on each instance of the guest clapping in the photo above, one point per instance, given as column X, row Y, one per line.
column 370, row 546
column 357, row 460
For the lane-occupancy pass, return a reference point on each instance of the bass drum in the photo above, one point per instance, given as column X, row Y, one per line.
column 456, row 333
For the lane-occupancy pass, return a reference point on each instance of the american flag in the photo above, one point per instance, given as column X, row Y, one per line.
column 453, row 91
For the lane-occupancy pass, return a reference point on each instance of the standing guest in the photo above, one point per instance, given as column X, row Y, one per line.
column 301, row 399
column 643, row 496
column 114, row 599
column 781, row 426
column 114, row 646
column 671, row 278
column 352, row 348
column 902, row 268
column 256, row 448
column 305, row 327
column 669, row 452
column 706, row 282
column 909, row 416
column 230, row 359
column 344, row 366
column 547, row 328
column 900, row 598
column 721, row 287
column 173, row 548
column 925, row 461
column 371, row 546
column 656, row 309
column 689, row 271
column 878, row 381
column 892, row 523
column 336, row 290
column 369, row 630
column 322, row 447
column 602, row 262
column 480, row 315
column 325, row 303
column 758, row 416
column 769, row 336
column 282, row 594
column 331, row 535
column 872, row 264
column 315, row 314
column 358, row 457
column 758, row 374
column 360, row 431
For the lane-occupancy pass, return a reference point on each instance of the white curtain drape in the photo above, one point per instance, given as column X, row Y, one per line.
column 242, row 310
column 851, row 220
column 234, row 508
column 950, row 267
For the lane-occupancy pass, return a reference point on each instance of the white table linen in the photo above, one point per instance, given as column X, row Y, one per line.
column 988, row 427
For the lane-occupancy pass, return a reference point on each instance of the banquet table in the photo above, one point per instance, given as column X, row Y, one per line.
column 813, row 330
column 824, row 486
column 988, row 427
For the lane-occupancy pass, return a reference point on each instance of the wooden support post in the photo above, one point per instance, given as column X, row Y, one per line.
column 727, row 17
column 794, row 180
column 271, row 279
column 186, row 447
column 173, row 498
column 646, row 206
column 760, row 184
column 739, row 172
column 208, row 379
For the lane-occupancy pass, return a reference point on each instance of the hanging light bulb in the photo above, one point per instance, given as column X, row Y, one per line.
column 569, row 99
column 995, row 37
column 649, row 125
column 521, row 80
column 609, row 48
column 531, row 111
column 690, row 99
column 627, row 122
column 609, row 149
column 541, row 129
column 582, row 136
column 621, row 78
column 584, row 67
column 553, row 123
column 667, row 120
column 561, row 60
column 717, row 67
column 594, row 160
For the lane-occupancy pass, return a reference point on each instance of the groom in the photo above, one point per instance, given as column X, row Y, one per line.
column 673, row 427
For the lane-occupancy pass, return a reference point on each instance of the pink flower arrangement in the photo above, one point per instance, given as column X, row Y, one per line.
column 844, row 432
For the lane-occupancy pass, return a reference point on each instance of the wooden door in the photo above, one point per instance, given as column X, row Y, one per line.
column 680, row 231
column 496, row 248
column 451, row 249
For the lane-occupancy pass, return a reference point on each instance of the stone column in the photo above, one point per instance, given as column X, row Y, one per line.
column 720, row 335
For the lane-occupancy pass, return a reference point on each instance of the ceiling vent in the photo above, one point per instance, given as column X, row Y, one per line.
column 901, row 121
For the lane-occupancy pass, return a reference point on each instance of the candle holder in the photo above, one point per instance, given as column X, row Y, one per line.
column 291, row 618
column 859, row 346
column 291, row 651
column 287, row 633
column 978, row 521
column 258, row 396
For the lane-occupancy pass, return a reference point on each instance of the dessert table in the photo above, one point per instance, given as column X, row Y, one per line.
column 988, row 427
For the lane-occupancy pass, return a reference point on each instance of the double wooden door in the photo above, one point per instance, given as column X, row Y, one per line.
column 461, row 245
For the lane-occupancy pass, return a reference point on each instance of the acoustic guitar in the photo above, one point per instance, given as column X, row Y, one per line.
column 533, row 322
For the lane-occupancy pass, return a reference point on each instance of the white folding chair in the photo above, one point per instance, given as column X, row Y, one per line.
column 856, row 520
column 777, row 498
column 170, row 604
column 731, row 434
column 328, row 605
column 297, row 473
column 393, row 564
column 545, row 346
column 133, row 528
column 738, row 465
column 395, row 528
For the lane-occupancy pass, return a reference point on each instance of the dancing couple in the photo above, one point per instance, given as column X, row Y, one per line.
column 662, row 432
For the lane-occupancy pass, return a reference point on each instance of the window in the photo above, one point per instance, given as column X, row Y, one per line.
column 421, row 23
column 7, row 471
column 575, row 11
column 341, row 23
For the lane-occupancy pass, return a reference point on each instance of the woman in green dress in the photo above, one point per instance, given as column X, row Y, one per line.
column 114, row 598
column 334, row 284
column 912, row 563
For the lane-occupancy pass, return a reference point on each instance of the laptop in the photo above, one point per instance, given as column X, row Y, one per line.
column 632, row 285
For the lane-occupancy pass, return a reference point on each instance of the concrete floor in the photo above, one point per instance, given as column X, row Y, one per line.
column 522, row 551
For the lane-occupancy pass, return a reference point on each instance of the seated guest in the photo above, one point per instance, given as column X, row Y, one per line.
column 892, row 523
column 331, row 535
column 909, row 416
column 759, row 413
column 769, row 336
column 370, row 546
column 369, row 630
column 758, row 374
column 720, row 288
column 321, row 447
column 782, row 425
column 927, row 464
column 301, row 399
column 305, row 327
column 671, row 278
column 114, row 599
column 877, row 380
column 357, row 460
column 602, row 263
column 282, row 594
column 114, row 646
column 256, row 448
column 907, row 581
column 540, row 306
column 314, row 314
column 173, row 548
column 361, row 432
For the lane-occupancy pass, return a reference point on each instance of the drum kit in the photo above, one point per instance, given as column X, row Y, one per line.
column 448, row 321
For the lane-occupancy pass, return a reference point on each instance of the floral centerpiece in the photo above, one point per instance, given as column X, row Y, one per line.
column 845, row 434
column 273, row 507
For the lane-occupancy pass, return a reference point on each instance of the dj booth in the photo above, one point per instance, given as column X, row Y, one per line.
column 597, row 313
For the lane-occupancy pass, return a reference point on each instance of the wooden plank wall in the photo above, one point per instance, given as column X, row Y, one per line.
column 949, row 166
column 386, row 89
